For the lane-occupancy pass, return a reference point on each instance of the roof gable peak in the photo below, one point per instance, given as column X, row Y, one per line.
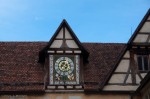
column 63, row 39
column 142, row 32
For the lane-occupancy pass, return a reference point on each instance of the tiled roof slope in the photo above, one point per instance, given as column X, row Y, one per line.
column 102, row 60
column 20, row 70
column 19, row 67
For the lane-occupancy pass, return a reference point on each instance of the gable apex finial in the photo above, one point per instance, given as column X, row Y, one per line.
column 64, row 20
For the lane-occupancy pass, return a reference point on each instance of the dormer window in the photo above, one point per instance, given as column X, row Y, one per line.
column 65, row 60
column 143, row 62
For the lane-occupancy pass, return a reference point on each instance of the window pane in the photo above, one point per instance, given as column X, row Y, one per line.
column 146, row 63
column 140, row 63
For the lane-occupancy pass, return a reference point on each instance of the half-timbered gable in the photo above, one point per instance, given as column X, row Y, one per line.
column 65, row 60
column 134, row 61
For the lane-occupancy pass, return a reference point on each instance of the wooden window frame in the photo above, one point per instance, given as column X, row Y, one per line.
column 143, row 62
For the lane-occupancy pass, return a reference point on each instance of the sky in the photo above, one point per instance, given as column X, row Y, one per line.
column 103, row 21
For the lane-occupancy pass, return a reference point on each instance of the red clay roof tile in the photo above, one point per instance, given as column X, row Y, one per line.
column 20, row 70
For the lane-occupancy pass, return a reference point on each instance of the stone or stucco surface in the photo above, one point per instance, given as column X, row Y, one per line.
column 70, row 96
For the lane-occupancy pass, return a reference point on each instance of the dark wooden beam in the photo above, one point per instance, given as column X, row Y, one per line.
column 121, row 72
column 122, row 84
column 144, row 33
column 126, row 58
column 127, row 75
column 133, row 66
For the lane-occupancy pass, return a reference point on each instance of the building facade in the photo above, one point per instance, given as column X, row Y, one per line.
column 65, row 68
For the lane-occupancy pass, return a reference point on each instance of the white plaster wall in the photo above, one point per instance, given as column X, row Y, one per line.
column 143, row 74
column 51, row 51
column 140, row 38
column 120, row 88
column 146, row 27
column 60, row 34
column 59, row 52
column 75, row 97
column 117, row 78
column 148, row 18
column 123, row 66
column 129, row 80
column 67, row 34
column 138, row 80
column 78, row 51
column 68, row 51
column 127, row 55
column 56, row 44
column 71, row 44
